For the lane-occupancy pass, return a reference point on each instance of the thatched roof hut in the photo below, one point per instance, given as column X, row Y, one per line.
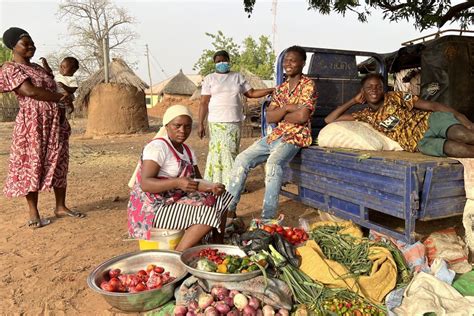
column 180, row 85
column 119, row 72
column 197, row 94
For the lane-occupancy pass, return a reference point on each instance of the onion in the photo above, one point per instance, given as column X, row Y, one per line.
column 193, row 305
column 180, row 310
column 254, row 302
column 259, row 312
column 229, row 301
column 268, row 310
column 205, row 300
column 240, row 301
column 233, row 312
column 219, row 292
column 222, row 307
column 283, row 312
column 190, row 313
column 211, row 311
column 232, row 293
column 249, row 311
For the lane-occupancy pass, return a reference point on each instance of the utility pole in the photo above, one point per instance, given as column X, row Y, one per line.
column 149, row 75
column 105, row 47
column 274, row 25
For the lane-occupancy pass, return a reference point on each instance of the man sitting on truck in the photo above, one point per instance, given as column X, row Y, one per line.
column 291, row 107
column 432, row 128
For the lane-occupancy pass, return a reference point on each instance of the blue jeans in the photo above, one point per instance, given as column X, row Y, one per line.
column 276, row 154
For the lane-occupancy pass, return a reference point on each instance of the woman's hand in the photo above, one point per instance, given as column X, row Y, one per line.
column 187, row 184
column 218, row 189
column 201, row 130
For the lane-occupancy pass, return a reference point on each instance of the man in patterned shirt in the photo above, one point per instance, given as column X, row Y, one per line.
column 292, row 105
column 432, row 128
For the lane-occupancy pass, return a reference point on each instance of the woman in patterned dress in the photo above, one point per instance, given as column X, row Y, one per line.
column 39, row 154
column 168, row 193
column 222, row 107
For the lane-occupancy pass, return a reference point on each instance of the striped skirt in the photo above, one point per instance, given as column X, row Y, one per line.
column 182, row 216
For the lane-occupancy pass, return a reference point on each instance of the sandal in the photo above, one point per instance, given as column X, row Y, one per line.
column 38, row 222
column 70, row 213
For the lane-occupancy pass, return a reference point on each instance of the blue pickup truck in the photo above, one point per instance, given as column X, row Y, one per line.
column 356, row 185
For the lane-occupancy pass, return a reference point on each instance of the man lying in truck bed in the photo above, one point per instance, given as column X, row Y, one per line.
column 432, row 128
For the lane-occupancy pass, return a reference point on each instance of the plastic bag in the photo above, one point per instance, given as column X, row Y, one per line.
column 465, row 284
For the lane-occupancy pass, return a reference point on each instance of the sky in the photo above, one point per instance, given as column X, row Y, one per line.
column 175, row 29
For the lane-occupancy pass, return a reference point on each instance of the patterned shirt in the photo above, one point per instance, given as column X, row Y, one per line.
column 304, row 95
column 398, row 119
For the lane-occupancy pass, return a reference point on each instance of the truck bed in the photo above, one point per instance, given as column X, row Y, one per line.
column 349, row 183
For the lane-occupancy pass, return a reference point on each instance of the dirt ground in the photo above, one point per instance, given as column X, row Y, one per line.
column 44, row 270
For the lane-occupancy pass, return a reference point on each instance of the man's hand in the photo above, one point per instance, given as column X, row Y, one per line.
column 201, row 130
column 291, row 108
column 359, row 98
column 187, row 184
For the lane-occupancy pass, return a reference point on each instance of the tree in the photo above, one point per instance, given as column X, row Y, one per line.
column 5, row 53
column 425, row 13
column 90, row 21
column 205, row 64
column 259, row 58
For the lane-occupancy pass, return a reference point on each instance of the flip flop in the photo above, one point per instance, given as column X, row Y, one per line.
column 38, row 223
column 70, row 213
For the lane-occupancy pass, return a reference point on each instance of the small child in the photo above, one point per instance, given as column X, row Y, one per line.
column 65, row 78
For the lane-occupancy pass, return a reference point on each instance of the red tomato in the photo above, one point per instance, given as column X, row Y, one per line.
column 295, row 238
column 113, row 273
column 289, row 232
column 158, row 269
column 140, row 287
column 115, row 283
column 279, row 229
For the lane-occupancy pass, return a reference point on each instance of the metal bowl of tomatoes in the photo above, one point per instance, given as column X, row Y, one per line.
column 166, row 271
column 191, row 256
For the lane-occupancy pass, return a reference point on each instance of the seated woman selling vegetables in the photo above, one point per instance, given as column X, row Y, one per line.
column 168, row 192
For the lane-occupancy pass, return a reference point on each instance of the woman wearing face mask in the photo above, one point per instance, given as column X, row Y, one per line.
column 221, row 105
column 39, row 155
column 167, row 192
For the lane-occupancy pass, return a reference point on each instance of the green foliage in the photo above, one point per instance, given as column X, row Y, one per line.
column 5, row 53
column 425, row 14
column 259, row 58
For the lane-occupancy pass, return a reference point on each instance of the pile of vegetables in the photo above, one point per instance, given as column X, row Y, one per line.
column 353, row 252
column 221, row 301
column 154, row 277
column 211, row 260
column 314, row 295
column 292, row 234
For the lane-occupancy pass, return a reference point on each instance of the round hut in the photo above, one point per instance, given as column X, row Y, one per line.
column 180, row 86
column 117, row 107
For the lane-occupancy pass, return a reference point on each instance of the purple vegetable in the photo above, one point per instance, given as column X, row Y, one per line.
column 219, row 292
column 193, row 305
column 205, row 300
column 229, row 301
column 180, row 310
column 190, row 313
column 232, row 293
column 283, row 312
column 211, row 311
column 254, row 302
column 249, row 311
column 222, row 307
column 233, row 312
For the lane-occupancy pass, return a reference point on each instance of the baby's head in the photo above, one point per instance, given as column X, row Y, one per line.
column 68, row 66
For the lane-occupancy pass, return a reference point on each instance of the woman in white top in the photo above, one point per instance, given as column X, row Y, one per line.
column 221, row 105
column 168, row 193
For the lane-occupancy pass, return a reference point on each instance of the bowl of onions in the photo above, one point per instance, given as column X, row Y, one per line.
column 138, row 281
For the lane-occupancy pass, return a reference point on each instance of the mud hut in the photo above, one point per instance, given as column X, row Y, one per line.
column 117, row 107
column 180, row 86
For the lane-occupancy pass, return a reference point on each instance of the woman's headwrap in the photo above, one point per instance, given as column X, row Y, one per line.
column 13, row 35
column 171, row 113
